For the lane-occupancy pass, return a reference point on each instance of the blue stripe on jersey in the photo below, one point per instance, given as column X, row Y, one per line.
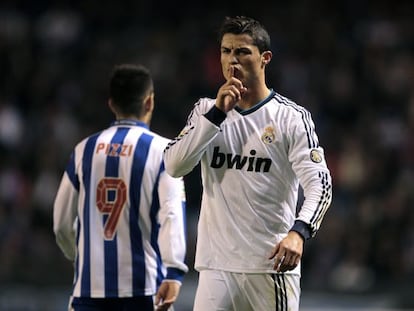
column 155, row 207
column 87, row 166
column 138, row 257
column 110, row 246
column 71, row 172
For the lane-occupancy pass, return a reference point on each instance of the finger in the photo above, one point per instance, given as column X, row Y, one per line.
column 274, row 252
column 233, row 94
column 170, row 300
column 164, row 306
column 231, row 72
column 279, row 264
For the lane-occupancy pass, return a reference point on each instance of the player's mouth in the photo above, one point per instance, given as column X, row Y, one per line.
column 237, row 72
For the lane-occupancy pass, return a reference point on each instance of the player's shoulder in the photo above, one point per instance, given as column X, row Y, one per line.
column 82, row 143
column 204, row 103
column 288, row 104
column 159, row 141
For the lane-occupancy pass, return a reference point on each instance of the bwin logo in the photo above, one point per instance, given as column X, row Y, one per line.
column 238, row 162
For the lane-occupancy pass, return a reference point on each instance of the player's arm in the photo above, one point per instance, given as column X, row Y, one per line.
column 309, row 164
column 184, row 152
column 172, row 237
column 64, row 212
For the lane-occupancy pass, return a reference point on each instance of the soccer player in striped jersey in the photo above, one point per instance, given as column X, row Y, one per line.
column 256, row 147
column 117, row 214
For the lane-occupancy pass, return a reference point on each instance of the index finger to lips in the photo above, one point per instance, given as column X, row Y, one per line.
column 231, row 72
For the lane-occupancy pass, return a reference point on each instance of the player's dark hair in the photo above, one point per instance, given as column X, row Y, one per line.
column 129, row 85
column 246, row 25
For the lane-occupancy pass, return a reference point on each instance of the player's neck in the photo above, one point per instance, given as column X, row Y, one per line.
column 253, row 96
column 145, row 119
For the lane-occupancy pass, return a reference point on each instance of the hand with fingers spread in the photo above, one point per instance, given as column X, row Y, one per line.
column 288, row 252
column 166, row 295
column 230, row 92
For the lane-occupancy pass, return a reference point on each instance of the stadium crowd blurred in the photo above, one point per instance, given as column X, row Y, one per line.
column 351, row 63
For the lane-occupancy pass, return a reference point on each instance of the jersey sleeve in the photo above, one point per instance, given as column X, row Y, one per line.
column 184, row 152
column 64, row 211
column 172, row 236
column 309, row 164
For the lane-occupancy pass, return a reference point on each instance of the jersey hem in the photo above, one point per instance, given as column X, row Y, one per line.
column 247, row 271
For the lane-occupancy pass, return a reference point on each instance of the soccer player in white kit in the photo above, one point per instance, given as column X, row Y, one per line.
column 255, row 147
column 118, row 215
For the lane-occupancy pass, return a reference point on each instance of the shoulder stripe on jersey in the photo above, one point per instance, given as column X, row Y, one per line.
column 138, row 166
column 190, row 115
column 86, row 167
column 178, row 138
column 324, row 202
column 306, row 118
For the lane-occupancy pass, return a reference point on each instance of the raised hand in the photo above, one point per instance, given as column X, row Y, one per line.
column 230, row 92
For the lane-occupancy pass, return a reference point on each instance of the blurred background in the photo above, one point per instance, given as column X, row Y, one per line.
column 350, row 63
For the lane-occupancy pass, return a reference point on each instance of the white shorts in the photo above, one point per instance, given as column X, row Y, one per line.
column 229, row 291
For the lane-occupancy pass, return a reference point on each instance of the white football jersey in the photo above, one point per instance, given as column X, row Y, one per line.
column 251, row 164
column 119, row 216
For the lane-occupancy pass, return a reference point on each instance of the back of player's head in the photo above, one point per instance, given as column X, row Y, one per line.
column 246, row 25
column 129, row 85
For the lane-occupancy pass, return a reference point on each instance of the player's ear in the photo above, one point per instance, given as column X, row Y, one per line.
column 266, row 57
column 111, row 105
column 149, row 102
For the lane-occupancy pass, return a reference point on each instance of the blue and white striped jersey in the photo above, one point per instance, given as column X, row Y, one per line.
column 119, row 216
column 252, row 164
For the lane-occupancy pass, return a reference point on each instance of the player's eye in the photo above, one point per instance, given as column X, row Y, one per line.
column 243, row 51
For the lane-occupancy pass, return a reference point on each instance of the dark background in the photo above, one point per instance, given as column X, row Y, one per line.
column 350, row 63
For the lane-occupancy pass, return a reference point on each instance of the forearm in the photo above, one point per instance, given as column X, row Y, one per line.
column 184, row 152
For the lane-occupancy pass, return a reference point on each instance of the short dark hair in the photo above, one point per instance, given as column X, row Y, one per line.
column 129, row 84
column 246, row 25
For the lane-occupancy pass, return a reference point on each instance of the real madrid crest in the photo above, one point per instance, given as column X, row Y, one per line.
column 315, row 156
column 268, row 136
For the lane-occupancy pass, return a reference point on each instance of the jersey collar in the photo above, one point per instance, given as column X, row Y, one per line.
column 129, row 123
column 257, row 106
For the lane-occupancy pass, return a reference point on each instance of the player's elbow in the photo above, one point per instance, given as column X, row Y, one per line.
column 173, row 169
column 173, row 165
